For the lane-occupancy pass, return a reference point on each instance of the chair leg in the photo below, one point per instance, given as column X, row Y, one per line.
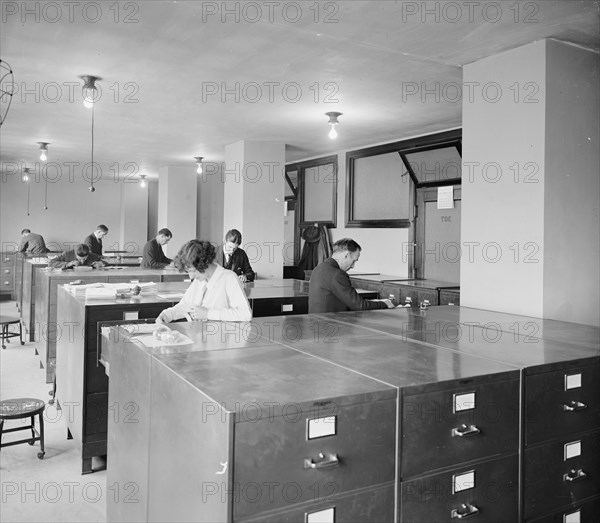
column 32, row 430
column 1, row 429
column 21, row 334
column 41, row 454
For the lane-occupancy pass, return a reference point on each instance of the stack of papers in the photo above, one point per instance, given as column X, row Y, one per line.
column 109, row 290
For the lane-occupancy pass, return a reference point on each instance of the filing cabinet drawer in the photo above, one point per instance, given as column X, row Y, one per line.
column 176, row 277
column 368, row 285
column 370, row 506
column 487, row 492
column 559, row 473
column 448, row 297
column 586, row 512
column 276, row 452
column 279, row 306
column 96, row 379
column 133, row 279
column 418, row 295
column 444, row 428
column 96, row 414
column 562, row 402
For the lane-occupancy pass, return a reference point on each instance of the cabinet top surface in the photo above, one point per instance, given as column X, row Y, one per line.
column 427, row 284
column 272, row 379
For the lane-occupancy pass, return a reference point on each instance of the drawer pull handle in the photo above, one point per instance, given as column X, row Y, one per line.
column 463, row 431
column 324, row 462
column 574, row 406
column 574, row 475
column 464, row 511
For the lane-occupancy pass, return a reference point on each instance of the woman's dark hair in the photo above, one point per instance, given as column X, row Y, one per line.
column 195, row 253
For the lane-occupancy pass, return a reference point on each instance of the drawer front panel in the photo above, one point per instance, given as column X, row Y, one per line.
column 96, row 379
column 367, row 285
column 560, row 403
column 133, row 279
column 439, row 429
column 279, row 306
column 447, row 496
column 96, row 414
column 175, row 277
column 559, row 473
column 275, row 454
column 577, row 513
column 449, row 297
column 418, row 295
column 372, row 506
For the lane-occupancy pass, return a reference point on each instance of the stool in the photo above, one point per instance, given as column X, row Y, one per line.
column 5, row 321
column 21, row 408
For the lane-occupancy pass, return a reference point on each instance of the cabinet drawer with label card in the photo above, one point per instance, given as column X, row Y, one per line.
column 559, row 473
column 459, row 425
column 561, row 402
column 349, row 447
column 487, row 491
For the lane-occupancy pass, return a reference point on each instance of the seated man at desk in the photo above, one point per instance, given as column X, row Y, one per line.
column 81, row 255
column 32, row 243
column 214, row 294
column 230, row 256
column 153, row 256
column 330, row 289
column 94, row 240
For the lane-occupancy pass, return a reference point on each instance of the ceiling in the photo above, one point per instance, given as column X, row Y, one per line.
column 183, row 78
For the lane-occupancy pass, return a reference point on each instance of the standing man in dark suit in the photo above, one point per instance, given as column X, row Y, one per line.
column 32, row 243
column 230, row 256
column 153, row 256
column 330, row 289
column 94, row 240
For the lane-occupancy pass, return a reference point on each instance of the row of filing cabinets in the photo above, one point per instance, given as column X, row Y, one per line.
column 489, row 429
column 409, row 291
column 7, row 272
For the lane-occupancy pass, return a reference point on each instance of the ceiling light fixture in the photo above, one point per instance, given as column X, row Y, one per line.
column 44, row 150
column 199, row 163
column 90, row 91
column 26, row 180
column 333, row 121
column 142, row 180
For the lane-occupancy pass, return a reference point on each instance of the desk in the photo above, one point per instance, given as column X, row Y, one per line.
column 82, row 385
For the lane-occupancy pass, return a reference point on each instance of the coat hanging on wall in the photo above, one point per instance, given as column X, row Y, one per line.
column 317, row 247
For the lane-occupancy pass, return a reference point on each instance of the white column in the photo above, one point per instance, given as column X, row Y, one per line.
column 254, row 202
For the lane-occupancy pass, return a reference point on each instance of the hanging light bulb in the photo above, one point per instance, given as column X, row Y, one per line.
column 25, row 174
column 142, row 180
column 199, row 163
column 44, row 150
column 333, row 121
column 90, row 91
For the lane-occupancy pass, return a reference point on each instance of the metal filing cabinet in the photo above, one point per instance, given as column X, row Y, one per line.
column 560, row 367
column 459, row 426
column 562, row 439
column 82, row 385
column 7, row 274
column 312, row 441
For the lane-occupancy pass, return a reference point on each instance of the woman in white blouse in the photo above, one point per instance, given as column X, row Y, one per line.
column 214, row 294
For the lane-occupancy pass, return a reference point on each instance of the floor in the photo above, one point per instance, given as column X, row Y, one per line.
column 51, row 489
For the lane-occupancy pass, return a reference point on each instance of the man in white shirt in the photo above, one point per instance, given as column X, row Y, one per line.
column 214, row 294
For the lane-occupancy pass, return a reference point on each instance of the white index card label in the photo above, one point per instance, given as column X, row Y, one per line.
column 572, row 450
column 464, row 401
column 463, row 481
column 321, row 427
column 322, row 516
column 132, row 315
column 572, row 381
column 573, row 517
column 134, row 281
column 287, row 307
